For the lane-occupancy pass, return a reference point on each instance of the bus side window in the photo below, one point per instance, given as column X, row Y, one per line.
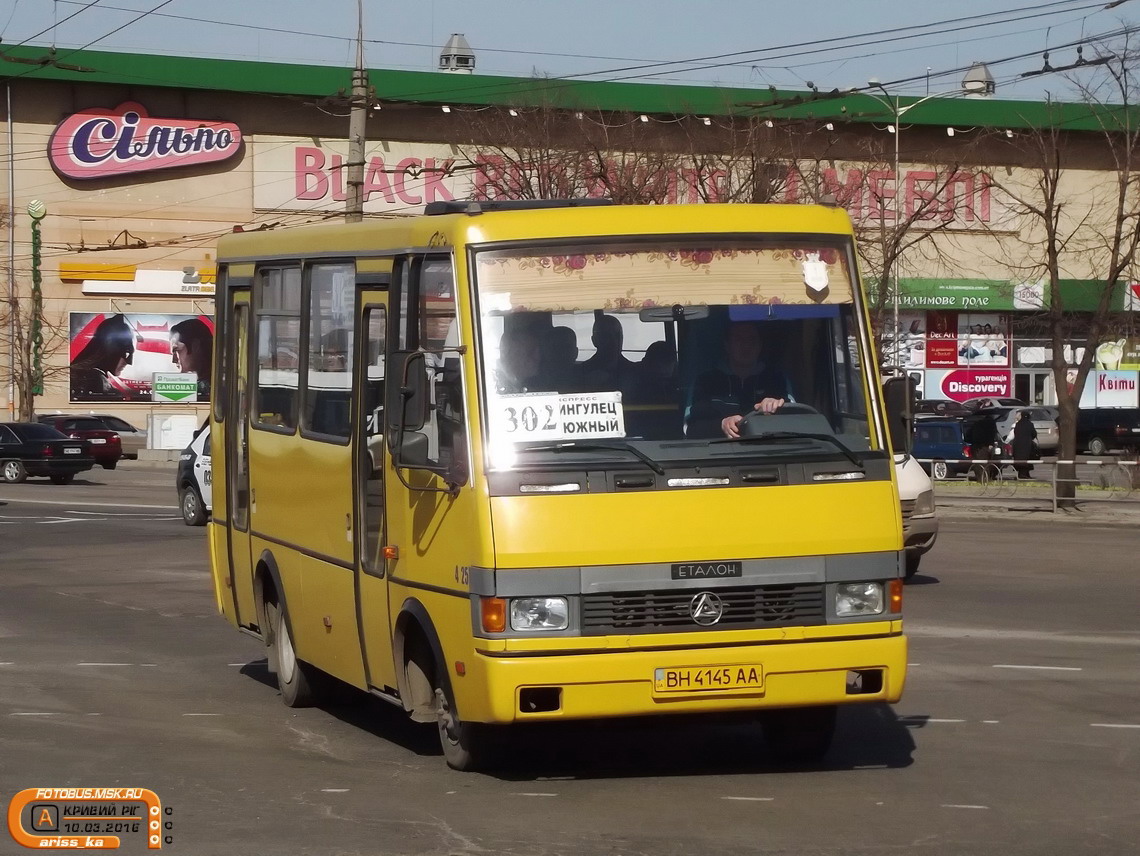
column 327, row 405
column 436, row 332
column 278, row 347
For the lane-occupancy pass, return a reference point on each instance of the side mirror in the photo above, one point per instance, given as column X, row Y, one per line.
column 899, row 397
column 407, row 400
column 413, row 450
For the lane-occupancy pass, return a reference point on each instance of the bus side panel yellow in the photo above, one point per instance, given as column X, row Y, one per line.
column 326, row 633
column 220, row 571
column 560, row 530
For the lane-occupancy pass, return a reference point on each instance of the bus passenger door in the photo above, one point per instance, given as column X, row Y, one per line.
column 237, row 456
column 372, row 586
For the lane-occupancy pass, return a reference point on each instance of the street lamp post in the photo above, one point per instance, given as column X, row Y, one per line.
column 898, row 110
column 977, row 82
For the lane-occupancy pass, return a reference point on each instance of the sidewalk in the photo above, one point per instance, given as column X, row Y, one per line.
column 1033, row 501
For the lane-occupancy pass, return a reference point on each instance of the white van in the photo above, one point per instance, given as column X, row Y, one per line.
column 920, row 525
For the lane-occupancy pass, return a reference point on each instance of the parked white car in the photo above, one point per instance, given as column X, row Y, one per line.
column 920, row 524
column 195, row 479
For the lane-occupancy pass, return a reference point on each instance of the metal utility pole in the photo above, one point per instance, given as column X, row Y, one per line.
column 357, row 117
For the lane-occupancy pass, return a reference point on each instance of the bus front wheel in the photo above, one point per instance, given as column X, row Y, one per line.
column 799, row 735
column 292, row 675
column 466, row 745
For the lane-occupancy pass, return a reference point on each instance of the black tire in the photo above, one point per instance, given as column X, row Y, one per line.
column 1097, row 446
column 467, row 746
column 913, row 557
column 799, row 735
column 192, row 507
column 63, row 478
column 110, row 466
column 13, row 472
column 292, row 674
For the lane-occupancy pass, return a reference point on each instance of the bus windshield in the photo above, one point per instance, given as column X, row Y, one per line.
column 623, row 351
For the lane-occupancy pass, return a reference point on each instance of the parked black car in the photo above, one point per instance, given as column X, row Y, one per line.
column 1101, row 430
column 34, row 449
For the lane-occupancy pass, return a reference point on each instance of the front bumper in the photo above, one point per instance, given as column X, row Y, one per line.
column 920, row 533
column 604, row 684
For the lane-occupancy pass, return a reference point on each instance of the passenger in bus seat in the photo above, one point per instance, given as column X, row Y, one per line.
column 608, row 369
column 652, row 397
column 520, row 361
column 560, row 368
column 724, row 396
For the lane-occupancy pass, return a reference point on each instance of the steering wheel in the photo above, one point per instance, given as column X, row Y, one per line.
column 752, row 423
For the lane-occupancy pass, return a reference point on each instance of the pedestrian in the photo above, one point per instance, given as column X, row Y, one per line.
column 983, row 438
column 1023, row 438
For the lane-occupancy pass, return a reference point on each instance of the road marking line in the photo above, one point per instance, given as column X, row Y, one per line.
column 533, row 795
column 920, row 718
column 952, row 805
column 1113, row 725
column 235, row 664
column 104, row 664
column 7, row 664
column 334, row 790
column 750, row 799
column 201, row 714
column 87, row 504
column 991, row 721
column 1043, row 668
column 33, row 714
column 913, row 664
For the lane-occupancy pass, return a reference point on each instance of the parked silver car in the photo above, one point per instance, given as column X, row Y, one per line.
column 133, row 439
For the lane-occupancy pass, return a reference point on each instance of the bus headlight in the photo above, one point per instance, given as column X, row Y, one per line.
column 539, row 613
column 924, row 504
column 854, row 599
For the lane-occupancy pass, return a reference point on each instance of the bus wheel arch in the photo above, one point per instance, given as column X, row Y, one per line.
column 299, row 683
column 425, row 686
column 418, row 656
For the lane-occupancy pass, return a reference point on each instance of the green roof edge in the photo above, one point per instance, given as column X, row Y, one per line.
column 430, row 87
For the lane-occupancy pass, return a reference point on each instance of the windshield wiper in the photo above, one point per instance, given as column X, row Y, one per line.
column 576, row 445
column 776, row 436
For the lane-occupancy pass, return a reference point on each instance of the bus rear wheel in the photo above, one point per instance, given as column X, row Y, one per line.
column 294, row 677
column 799, row 735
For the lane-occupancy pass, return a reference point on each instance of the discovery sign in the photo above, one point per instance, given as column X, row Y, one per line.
column 102, row 143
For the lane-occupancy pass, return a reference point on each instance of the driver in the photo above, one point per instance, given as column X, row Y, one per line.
column 723, row 396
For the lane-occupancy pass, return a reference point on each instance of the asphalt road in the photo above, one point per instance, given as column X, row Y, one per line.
column 1019, row 732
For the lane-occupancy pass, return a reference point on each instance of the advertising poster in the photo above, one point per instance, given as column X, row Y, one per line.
column 983, row 339
column 941, row 339
column 114, row 357
column 1130, row 356
column 964, row 384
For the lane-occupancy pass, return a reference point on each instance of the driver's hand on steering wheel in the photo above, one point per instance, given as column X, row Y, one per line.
column 769, row 405
column 730, row 425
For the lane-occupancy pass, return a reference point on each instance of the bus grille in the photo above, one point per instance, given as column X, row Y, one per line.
column 668, row 611
column 907, row 509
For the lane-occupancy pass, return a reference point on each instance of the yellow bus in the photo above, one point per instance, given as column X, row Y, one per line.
column 507, row 462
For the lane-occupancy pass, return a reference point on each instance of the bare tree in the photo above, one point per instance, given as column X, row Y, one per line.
column 1081, row 225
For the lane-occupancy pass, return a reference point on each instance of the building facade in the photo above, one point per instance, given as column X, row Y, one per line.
column 141, row 162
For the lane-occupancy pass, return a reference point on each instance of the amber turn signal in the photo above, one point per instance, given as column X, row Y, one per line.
column 896, row 595
column 494, row 614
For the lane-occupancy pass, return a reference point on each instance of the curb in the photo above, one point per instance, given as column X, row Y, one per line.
column 1102, row 513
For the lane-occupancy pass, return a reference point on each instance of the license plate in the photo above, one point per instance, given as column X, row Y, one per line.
column 702, row 679
column 96, row 440
column 72, row 451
